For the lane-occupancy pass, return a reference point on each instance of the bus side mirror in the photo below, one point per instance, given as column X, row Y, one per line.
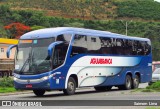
column 51, row 46
column 9, row 49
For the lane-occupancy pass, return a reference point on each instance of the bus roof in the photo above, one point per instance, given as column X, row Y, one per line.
column 53, row 32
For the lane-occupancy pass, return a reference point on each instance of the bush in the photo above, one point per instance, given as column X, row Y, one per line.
column 155, row 86
column 6, row 82
column 146, row 9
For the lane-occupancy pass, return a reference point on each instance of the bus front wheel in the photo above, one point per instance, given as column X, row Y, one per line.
column 39, row 92
column 71, row 87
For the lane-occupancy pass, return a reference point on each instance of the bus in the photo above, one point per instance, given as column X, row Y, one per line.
column 66, row 58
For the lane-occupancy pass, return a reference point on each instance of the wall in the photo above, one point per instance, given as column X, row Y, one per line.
column 3, row 50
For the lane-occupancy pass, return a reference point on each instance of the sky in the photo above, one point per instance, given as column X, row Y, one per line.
column 157, row 0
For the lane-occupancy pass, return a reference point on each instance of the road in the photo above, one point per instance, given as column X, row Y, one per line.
column 89, row 94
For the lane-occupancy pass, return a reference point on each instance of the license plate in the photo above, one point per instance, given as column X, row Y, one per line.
column 29, row 86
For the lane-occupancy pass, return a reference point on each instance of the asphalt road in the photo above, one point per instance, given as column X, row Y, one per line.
column 89, row 94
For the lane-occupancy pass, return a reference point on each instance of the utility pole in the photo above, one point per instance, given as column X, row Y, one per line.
column 126, row 25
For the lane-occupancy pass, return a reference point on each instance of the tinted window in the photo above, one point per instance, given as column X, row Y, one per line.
column 147, row 48
column 94, row 45
column 60, row 51
column 120, row 46
column 64, row 37
column 106, row 45
column 127, row 47
column 79, row 45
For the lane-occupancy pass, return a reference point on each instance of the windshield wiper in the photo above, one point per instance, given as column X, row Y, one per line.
column 24, row 65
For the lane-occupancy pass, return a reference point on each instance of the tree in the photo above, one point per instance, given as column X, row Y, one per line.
column 5, row 13
column 75, row 24
column 153, row 34
column 17, row 29
column 36, row 27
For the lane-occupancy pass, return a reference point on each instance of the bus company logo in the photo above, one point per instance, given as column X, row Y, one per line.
column 6, row 103
column 28, row 81
column 101, row 61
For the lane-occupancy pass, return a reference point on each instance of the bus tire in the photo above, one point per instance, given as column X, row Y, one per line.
column 128, row 83
column 71, row 87
column 135, row 82
column 39, row 92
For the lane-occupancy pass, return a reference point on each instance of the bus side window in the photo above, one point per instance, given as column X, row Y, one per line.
column 147, row 48
column 106, row 45
column 79, row 45
column 142, row 48
column 127, row 47
column 134, row 47
column 93, row 45
column 119, row 46
column 64, row 37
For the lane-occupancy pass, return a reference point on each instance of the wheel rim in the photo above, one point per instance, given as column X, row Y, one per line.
column 71, row 86
column 136, row 82
column 128, row 83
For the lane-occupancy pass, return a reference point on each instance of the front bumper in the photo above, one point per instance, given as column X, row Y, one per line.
column 34, row 83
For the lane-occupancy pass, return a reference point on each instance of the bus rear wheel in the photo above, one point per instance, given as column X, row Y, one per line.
column 135, row 82
column 39, row 92
column 71, row 87
column 128, row 83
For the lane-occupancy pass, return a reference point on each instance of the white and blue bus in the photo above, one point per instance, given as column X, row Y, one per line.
column 67, row 58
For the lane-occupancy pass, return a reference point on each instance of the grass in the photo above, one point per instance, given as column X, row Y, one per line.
column 6, row 85
column 152, row 108
column 6, row 82
column 7, row 89
column 148, row 90
column 142, row 90
column 155, row 87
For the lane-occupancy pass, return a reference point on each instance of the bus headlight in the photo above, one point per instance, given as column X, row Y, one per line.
column 14, row 78
column 45, row 78
column 50, row 76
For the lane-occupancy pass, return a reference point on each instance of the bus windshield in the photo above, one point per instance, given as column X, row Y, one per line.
column 32, row 56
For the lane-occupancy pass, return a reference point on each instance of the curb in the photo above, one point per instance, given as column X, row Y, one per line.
column 15, row 93
column 27, row 92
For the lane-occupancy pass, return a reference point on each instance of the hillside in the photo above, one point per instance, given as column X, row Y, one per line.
column 92, row 9
column 142, row 17
column 85, row 9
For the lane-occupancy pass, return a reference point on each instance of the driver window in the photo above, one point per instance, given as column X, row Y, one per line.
column 60, row 51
